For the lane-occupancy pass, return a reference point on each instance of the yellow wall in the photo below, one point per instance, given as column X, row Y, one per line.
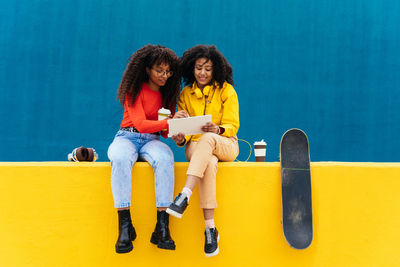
column 61, row 214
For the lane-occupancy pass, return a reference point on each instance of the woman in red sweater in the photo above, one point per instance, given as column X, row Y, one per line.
column 150, row 82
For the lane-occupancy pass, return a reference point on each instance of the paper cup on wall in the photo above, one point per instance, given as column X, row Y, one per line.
column 260, row 149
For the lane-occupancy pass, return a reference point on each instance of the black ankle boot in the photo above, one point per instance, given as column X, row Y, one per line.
column 126, row 232
column 161, row 236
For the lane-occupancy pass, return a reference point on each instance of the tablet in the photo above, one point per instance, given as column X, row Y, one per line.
column 188, row 126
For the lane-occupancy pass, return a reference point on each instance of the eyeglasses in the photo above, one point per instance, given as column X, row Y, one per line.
column 169, row 73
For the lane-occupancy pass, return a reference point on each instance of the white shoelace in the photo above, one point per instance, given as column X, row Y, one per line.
column 180, row 199
column 208, row 235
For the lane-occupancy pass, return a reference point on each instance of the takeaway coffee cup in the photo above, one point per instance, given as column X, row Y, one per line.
column 163, row 113
column 260, row 148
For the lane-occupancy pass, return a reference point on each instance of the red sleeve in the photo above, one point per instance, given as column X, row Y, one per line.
column 138, row 117
column 164, row 133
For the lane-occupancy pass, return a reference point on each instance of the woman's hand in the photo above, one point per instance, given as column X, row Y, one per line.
column 210, row 127
column 181, row 114
column 178, row 138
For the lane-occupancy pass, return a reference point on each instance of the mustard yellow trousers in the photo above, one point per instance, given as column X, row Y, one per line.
column 204, row 155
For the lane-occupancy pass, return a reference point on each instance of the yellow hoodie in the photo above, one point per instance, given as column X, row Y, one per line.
column 222, row 104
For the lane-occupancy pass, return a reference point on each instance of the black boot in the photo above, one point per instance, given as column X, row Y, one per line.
column 161, row 236
column 126, row 232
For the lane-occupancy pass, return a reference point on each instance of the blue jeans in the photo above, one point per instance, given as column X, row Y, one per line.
column 124, row 151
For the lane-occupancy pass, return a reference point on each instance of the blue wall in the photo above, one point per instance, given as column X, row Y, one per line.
column 331, row 68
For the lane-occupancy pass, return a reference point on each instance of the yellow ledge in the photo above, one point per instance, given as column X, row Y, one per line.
column 61, row 214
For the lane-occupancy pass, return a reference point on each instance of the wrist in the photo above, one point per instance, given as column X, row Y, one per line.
column 182, row 143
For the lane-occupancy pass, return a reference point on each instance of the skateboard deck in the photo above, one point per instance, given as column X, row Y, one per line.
column 296, row 189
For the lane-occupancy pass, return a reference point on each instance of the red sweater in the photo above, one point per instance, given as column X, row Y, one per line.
column 143, row 114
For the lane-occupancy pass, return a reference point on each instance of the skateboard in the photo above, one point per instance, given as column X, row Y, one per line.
column 296, row 189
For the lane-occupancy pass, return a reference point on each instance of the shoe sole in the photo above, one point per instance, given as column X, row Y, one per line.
column 124, row 250
column 215, row 253
column 174, row 213
column 155, row 241
column 168, row 247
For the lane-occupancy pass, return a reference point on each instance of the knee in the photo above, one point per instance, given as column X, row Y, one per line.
column 119, row 159
column 208, row 138
column 164, row 156
column 119, row 151
column 121, row 162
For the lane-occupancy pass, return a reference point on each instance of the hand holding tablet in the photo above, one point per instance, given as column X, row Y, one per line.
column 188, row 126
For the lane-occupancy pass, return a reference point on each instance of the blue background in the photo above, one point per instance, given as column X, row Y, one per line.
column 331, row 68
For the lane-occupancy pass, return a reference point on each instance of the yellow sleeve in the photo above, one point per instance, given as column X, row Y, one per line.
column 230, row 118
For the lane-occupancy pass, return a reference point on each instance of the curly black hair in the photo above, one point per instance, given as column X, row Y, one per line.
column 135, row 74
column 222, row 70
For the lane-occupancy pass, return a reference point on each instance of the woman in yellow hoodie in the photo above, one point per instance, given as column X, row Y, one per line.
column 208, row 77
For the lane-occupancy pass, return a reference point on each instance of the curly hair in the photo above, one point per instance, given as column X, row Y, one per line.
column 222, row 70
column 135, row 74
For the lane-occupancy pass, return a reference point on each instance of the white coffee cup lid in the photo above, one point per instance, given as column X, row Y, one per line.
column 260, row 143
column 164, row 111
